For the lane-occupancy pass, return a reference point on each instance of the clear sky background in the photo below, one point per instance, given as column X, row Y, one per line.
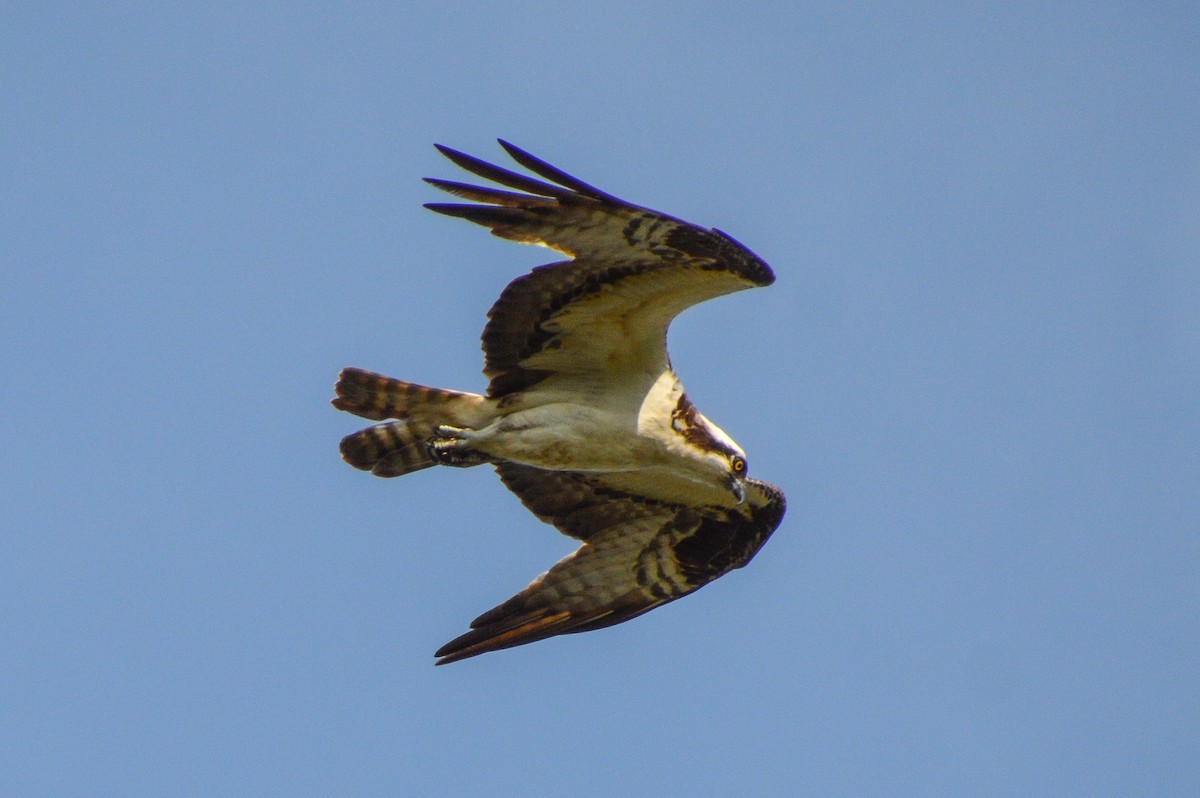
column 977, row 378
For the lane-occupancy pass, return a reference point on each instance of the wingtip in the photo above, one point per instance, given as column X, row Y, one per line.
column 447, row 208
column 450, row 653
column 461, row 159
column 507, row 633
column 512, row 149
column 551, row 172
column 505, row 177
column 454, row 656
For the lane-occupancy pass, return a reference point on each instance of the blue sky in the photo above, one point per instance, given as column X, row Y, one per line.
column 976, row 378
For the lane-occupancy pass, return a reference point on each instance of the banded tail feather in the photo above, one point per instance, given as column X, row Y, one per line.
column 389, row 450
column 399, row 447
column 374, row 396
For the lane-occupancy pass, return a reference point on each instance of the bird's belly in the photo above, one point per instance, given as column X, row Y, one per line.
column 568, row 437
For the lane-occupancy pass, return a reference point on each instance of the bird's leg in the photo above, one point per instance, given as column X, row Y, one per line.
column 452, row 447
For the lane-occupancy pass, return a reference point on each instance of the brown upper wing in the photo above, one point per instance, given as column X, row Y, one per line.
column 637, row 554
column 602, row 317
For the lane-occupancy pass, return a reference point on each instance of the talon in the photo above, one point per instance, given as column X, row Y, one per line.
column 452, row 450
column 441, row 449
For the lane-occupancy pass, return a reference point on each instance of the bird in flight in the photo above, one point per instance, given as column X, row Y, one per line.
column 583, row 419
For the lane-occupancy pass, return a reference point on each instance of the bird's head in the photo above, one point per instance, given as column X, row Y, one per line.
column 716, row 457
column 724, row 454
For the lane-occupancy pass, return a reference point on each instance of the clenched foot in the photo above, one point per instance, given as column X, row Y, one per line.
column 452, row 447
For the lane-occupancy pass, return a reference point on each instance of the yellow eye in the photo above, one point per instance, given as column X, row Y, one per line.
column 738, row 464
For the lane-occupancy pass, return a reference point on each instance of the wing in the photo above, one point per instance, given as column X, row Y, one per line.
column 637, row 554
column 600, row 319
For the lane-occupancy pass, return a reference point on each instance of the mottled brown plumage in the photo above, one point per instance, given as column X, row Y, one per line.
column 620, row 252
column 637, row 554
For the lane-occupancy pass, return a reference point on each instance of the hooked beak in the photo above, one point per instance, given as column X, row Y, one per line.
column 738, row 488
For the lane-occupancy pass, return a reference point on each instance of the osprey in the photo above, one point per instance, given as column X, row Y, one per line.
column 584, row 419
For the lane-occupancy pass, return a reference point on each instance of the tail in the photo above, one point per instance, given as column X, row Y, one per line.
column 399, row 447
